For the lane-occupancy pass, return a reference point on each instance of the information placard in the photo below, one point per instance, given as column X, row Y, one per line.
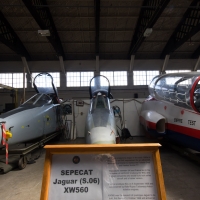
column 108, row 172
column 75, row 177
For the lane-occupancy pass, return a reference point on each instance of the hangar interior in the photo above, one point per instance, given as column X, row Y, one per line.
column 128, row 41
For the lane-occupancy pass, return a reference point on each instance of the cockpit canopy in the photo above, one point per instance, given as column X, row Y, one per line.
column 100, row 93
column 43, row 83
column 182, row 89
column 99, row 84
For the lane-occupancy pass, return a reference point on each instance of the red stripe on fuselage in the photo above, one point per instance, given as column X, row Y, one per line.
column 184, row 130
column 176, row 128
column 149, row 124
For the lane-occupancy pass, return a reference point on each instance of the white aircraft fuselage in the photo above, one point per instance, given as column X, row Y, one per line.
column 172, row 110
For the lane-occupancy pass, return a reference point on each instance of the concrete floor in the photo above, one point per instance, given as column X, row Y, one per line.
column 181, row 176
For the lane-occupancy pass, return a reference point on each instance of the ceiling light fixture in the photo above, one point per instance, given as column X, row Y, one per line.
column 148, row 32
column 190, row 42
column 44, row 33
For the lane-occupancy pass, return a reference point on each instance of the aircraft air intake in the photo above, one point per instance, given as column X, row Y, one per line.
column 160, row 126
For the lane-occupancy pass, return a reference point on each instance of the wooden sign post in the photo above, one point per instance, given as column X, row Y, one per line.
column 88, row 172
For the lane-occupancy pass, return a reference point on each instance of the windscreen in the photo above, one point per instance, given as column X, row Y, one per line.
column 37, row 100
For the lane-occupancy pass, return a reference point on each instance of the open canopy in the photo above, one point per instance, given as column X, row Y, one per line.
column 99, row 84
column 43, row 83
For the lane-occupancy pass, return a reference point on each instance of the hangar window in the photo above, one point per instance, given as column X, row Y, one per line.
column 182, row 83
column 176, row 71
column 144, row 77
column 79, row 79
column 55, row 75
column 12, row 79
column 116, row 78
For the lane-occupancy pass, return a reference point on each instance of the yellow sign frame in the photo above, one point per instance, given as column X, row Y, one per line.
column 103, row 149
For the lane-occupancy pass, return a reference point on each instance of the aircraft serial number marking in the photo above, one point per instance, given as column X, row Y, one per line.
column 191, row 122
column 76, row 189
column 178, row 120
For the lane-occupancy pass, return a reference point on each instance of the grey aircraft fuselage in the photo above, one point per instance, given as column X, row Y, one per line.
column 37, row 117
column 33, row 119
column 100, row 122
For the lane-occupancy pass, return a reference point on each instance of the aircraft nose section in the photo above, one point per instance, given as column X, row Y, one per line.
column 102, row 135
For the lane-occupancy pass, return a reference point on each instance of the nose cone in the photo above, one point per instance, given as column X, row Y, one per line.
column 101, row 135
